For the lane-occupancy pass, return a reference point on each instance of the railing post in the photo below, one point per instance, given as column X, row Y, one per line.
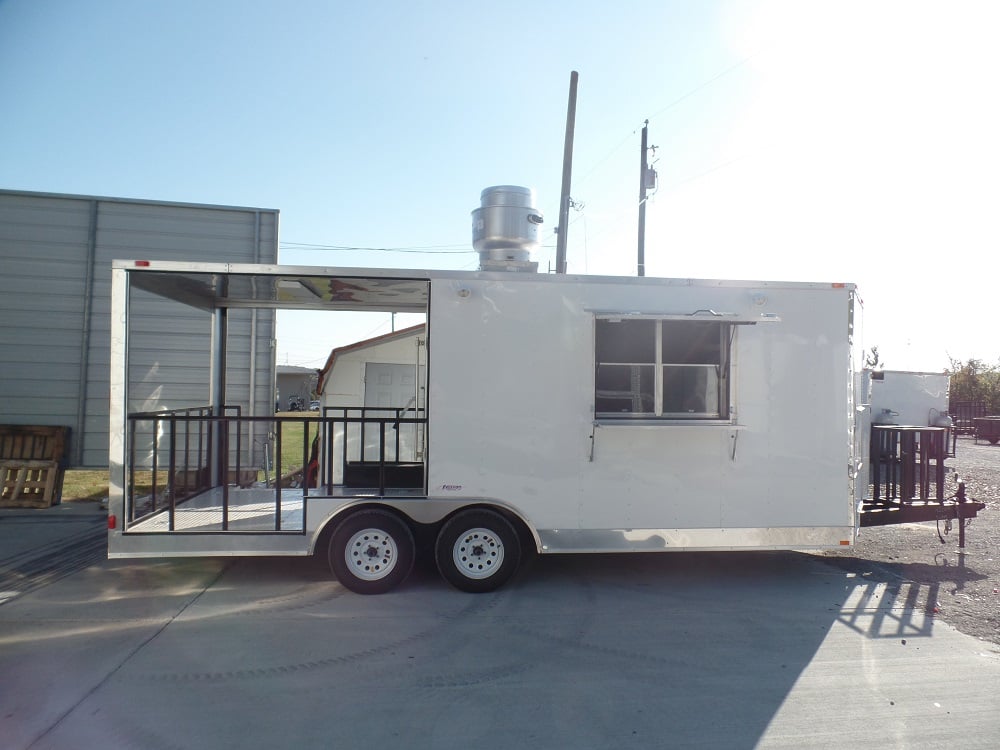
column 223, row 468
column 155, row 462
column 277, row 461
column 397, row 431
column 130, row 512
column 171, row 470
column 328, row 432
column 239, row 444
column 362, row 428
column 204, row 427
column 343, row 449
column 381, row 457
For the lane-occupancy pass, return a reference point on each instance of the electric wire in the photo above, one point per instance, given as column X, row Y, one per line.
column 732, row 68
column 424, row 250
column 735, row 66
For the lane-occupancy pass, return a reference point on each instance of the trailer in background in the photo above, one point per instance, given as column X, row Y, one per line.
column 912, row 436
column 910, row 398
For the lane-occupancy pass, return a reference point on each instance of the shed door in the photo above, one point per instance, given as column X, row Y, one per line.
column 389, row 386
column 394, row 387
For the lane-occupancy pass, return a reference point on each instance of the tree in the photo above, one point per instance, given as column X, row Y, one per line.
column 974, row 380
column 872, row 361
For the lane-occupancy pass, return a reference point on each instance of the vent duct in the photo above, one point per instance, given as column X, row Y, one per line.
column 505, row 228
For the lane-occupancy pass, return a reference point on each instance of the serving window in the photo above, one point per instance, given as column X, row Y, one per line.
column 662, row 369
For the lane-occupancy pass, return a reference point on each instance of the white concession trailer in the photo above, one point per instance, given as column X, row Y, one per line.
column 560, row 414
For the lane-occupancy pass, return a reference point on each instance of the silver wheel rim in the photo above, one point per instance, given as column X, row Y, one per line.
column 478, row 553
column 371, row 554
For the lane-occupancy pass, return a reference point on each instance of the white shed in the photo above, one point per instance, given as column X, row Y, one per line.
column 385, row 372
column 383, row 376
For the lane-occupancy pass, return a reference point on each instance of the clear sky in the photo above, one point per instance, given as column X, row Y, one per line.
column 849, row 140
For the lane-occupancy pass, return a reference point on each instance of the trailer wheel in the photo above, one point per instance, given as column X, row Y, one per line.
column 371, row 551
column 477, row 550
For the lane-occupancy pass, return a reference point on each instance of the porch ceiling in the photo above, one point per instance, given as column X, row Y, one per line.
column 283, row 291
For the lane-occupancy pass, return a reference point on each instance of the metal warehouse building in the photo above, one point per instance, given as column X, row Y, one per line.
column 55, row 274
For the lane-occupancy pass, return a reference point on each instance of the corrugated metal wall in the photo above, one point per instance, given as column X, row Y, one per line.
column 55, row 272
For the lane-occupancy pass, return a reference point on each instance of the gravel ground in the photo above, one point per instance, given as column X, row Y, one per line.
column 961, row 587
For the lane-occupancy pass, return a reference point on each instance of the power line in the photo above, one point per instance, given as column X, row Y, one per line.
column 735, row 66
column 424, row 250
column 707, row 172
column 710, row 81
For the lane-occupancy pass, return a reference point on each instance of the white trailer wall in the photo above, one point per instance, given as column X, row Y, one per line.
column 528, row 432
column 55, row 255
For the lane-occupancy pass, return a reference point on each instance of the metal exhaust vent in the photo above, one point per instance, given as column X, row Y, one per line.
column 505, row 228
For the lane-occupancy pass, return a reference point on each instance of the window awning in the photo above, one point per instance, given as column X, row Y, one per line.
column 704, row 315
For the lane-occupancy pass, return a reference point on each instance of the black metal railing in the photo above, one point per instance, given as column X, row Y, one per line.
column 176, row 455
column 908, row 480
column 908, row 463
column 178, row 469
column 186, row 452
column 373, row 447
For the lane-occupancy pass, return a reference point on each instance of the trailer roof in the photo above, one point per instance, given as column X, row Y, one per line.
column 213, row 285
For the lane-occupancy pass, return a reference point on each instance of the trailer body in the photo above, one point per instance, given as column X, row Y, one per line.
column 588, row 414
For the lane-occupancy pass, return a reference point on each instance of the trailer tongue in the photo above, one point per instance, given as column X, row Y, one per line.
column 908, row 479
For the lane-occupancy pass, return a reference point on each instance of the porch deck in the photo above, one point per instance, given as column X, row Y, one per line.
column 251, row 509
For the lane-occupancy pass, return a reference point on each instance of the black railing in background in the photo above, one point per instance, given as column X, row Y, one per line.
column 963, row 414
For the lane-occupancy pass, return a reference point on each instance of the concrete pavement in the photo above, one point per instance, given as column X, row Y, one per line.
column 765, row 650
column 39, row 546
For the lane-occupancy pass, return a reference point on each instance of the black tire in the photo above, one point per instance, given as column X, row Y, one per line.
column 477, row 550
column 371, row 551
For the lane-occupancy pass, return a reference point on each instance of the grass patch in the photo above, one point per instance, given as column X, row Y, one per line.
column 85, row 484
column 291, row 442
column 92, row 484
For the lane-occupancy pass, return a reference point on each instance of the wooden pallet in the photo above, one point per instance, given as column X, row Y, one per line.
column 29, row 484
column 31, row 469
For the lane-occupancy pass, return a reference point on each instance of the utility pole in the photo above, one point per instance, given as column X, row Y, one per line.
column 643, row 180
column 567, row 175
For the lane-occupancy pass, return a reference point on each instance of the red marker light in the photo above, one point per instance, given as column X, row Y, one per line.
column 112, row 521
column 142, row 264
